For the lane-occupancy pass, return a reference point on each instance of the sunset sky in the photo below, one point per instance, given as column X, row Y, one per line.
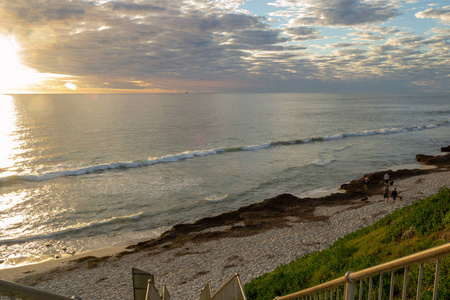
column 62, row 46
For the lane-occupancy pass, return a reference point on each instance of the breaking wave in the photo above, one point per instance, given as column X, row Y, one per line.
column 73, row 228
column 323, row 162
column 172, row 158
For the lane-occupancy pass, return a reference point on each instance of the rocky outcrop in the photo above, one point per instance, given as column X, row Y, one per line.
column 376, row 181
column 438, row 160
column 275, row 212
column 445, row 149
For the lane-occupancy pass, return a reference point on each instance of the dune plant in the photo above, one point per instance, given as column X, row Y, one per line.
column 411, row 229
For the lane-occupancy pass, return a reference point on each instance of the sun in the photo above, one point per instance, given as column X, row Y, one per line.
column 14, row 76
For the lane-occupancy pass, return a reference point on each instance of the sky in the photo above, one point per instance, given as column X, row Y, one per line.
column 224, row 46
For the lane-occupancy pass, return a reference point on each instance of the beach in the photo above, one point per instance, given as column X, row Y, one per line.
column 81, row 189
column 250, row 241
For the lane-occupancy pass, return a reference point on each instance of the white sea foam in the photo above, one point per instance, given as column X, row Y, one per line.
column 334, row 137
column 216, row 199
column 73, row 228
column 343, row 148
column 172, row 158
column 256, row 147
column 323, row 162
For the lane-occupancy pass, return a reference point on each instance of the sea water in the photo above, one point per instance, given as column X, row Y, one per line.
column 82, row 172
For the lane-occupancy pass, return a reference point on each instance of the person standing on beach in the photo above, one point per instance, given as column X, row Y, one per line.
column 386, row 194
column 394, row 195
column 366, row 183
column 386, row 178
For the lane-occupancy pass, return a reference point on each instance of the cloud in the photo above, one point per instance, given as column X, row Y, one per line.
column 407, row 41
column 39, row 12
column 208, row 6
column 346, row 45
column 442, row 14
column 138, row 40
column 302, row 33
column 367, row 36
column 254, row 39
column 215, row 47
column 336, row 12
column 350, row 52
column 133, row 8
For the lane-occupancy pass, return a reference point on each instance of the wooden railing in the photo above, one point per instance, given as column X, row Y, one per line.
column 345, row 287
column 17, row 291
column 231, row 290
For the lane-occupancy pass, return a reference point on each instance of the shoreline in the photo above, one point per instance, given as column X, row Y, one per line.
column 301, row 225
column 17, row 272
column 271, row 213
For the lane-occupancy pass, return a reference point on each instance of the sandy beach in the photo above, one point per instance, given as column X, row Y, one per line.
column 251, row 241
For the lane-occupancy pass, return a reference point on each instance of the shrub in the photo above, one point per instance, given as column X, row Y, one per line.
column 367, row 247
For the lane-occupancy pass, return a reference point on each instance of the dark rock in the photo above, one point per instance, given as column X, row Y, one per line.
column 376, row 181
column 275, row 212
column 445, row 149
column 438, row 160
column 423, row 158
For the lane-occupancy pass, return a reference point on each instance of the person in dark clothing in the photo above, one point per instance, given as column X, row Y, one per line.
column 394, row 195
column 386, row 194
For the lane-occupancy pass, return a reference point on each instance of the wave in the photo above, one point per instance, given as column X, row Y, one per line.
column 323, row 162
column 201, row 153
column 343, row 148
column 73, row 228
column 215, row 199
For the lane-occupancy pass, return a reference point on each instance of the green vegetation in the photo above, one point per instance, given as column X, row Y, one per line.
column 428, row 221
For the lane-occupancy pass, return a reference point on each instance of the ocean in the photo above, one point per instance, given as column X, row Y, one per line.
column 83, row 172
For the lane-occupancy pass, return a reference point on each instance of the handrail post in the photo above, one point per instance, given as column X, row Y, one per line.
column 419, row 282
column 436, row 279
column 349, row 287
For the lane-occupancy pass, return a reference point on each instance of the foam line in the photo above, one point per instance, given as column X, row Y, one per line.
column 172, row 158
column 323, row 162
column 77, row 227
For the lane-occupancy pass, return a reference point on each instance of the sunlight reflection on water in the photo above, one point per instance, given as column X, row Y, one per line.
column 9, row 146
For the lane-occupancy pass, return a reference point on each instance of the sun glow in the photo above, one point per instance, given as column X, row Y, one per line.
column 14, row 76
column 70, row 86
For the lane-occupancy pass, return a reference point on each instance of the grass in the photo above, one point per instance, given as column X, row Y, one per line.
column 429, row 219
